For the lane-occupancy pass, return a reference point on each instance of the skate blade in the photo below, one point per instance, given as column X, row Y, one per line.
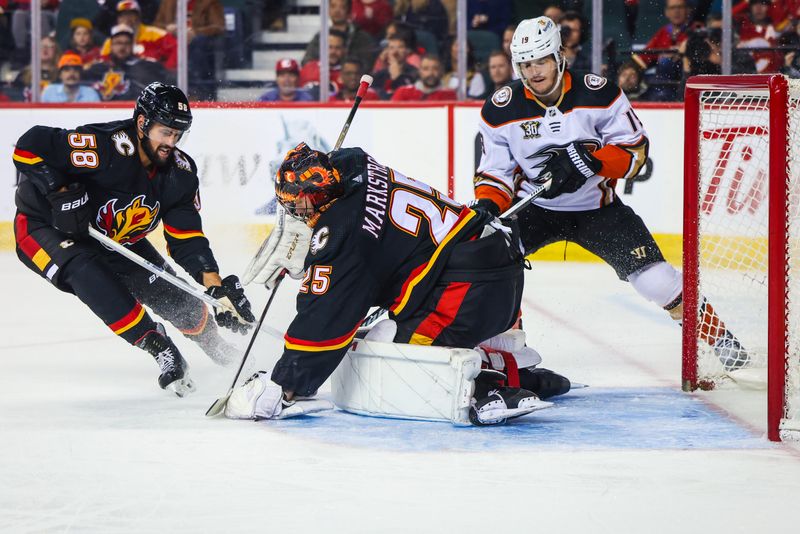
column 182, row 388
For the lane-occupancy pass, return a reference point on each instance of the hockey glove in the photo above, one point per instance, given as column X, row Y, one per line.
column 285, row 248
column 484, row 205
column 71, row 212
column 231, row 293
column 569, row 170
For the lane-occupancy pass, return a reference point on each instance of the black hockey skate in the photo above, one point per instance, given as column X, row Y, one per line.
column 174, row 369
column 730, row 352
column 494, row 404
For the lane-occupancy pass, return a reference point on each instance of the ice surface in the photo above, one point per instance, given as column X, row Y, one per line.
column 88, row 443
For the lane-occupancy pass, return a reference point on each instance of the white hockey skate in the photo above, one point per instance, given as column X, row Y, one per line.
column 259, row 398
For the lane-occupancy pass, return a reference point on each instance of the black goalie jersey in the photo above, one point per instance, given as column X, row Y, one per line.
column 127, row 200
column 385, row 244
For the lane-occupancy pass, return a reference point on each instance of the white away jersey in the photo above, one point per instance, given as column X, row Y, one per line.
column 520, row 134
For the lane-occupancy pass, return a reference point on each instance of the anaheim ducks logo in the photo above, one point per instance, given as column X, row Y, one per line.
column 129, row 224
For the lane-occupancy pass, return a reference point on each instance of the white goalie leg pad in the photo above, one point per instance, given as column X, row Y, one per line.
column 510, row 341
column 384, row 379
column 260, row 398
column 660, row 283
column 382, row 331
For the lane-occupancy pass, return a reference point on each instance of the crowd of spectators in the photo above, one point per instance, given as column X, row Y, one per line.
column 100, row 50
column 111, row 48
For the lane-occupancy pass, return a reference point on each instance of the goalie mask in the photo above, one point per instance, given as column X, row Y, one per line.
column 536, row 39
column 306, row 183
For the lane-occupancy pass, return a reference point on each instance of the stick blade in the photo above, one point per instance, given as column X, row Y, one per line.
column 218, row 406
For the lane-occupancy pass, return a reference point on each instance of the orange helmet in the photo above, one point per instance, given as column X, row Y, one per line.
column 307, row 183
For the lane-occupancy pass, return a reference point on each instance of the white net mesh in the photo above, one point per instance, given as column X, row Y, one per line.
column 733, row 241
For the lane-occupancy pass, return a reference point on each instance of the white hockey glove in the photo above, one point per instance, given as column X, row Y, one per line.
column 285, row 248
column 259, row 398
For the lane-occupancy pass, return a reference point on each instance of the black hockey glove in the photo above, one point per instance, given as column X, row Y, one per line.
column 71, row 213
column 231, row 292
column 569, row 170
column 484, row 205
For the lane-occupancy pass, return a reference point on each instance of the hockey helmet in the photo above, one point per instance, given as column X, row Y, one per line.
column 307, row 183
column 535, row 39
column 166, row 104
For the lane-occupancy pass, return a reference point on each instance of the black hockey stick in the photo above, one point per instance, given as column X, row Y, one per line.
column 219, row 404
column 366, row 81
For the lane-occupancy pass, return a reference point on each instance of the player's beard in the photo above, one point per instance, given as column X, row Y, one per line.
column 156, row 156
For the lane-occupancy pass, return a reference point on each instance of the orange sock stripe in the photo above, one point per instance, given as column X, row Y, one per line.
column 200, row 327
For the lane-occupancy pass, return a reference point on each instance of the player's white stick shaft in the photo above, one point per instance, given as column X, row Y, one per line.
column 174, row 280
column 158, row 271
column 219, row 405
column 366, row 81
column 534, row 194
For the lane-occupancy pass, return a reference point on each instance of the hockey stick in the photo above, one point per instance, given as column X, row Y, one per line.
column 169, row 277
column 219, row 405
column 366, row 81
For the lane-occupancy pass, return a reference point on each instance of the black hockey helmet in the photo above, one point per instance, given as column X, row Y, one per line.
column 307, row 174
column 166, row 104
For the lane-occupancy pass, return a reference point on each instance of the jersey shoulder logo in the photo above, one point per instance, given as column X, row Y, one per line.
column 181, row 161
column 319, row 240
column 594, row 82
column 196, row 202
column 530, row 129
column 502, row 97
column 123, row 143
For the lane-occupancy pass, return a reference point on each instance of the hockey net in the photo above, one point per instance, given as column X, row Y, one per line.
column 742, row 241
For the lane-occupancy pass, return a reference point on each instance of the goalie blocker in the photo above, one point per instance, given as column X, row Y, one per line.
column 446, row 274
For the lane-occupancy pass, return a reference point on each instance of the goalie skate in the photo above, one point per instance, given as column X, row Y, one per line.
column 505, row 403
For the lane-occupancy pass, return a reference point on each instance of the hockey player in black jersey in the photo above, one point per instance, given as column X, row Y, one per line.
column 123, row 178
column 448, row 275
column 579, row 131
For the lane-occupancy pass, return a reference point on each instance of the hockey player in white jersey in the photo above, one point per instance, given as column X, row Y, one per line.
column 579, row 131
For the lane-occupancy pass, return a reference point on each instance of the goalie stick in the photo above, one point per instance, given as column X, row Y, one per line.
column 219, row 405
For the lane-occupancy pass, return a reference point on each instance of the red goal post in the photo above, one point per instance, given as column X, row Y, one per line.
column 739, row 248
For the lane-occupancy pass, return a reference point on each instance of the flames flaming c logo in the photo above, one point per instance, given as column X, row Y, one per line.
column 129, row 224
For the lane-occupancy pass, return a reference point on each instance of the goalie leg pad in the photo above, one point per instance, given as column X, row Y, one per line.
column 260, row 398
column 659, row 282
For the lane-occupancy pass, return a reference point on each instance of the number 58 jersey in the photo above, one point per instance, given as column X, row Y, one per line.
column 520, row 134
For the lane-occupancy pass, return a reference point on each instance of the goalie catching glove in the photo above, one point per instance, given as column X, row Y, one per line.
column 259, row 398
column 568, row 170
column 284, row 249
column 236, row 314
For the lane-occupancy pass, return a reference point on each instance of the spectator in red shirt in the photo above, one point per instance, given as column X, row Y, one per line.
column 429, row 86
column 669, row 35
column 756, row 31
column 372, row 16
column 336, row 49
column 350, row 76
column 81, row 41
